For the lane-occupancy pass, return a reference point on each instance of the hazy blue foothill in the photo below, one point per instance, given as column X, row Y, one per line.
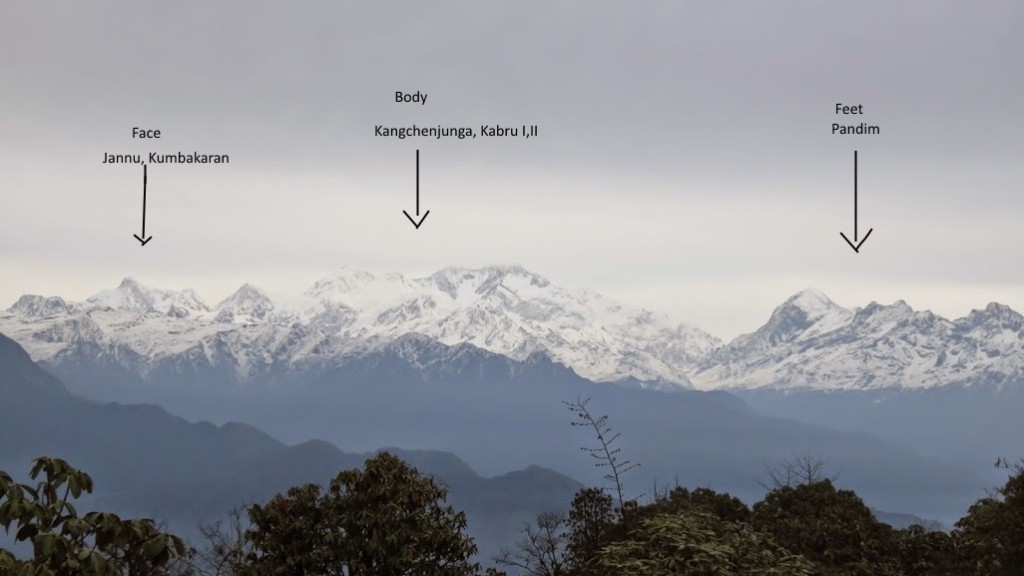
column 148, row 462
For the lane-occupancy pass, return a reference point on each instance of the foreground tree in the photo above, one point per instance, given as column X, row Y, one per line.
column 799, row 471
column 541, row 550
column 831, row 527
column 681, row 500
column 291, row 534
column 66, row 544
column 226, row 547
column 990, row 538
column 698, row 543
column 593, row 519
column 921, row 552
column 605, row 453
column 384, row 520
column 593, row 524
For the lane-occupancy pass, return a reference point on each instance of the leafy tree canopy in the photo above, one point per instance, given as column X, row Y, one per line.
column 383, row 520
column 700, row 544
column 67, row 544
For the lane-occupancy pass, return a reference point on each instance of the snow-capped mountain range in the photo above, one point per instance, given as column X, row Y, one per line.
column 809, row 341
column 506, row 310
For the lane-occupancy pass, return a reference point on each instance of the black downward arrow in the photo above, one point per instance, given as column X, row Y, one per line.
column 857, row 241
column 411, row 219
column 143, row 239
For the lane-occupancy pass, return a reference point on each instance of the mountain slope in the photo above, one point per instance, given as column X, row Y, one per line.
column 22, row 378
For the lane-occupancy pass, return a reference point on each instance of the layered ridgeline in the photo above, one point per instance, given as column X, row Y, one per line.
column 147, row 462
column 478, row 362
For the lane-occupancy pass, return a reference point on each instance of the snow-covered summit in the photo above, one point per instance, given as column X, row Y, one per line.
column 130, row 295
column 812, row 302
column 248, row 305
column 460, row 282
column 802, row 316
column 34, row 306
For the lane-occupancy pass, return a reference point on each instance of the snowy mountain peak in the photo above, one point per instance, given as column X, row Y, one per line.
column 248, row 305
column 995, row 318
column 805, row 314
column 346, row 280
column 335, row 300
column 245, row 296
column 997, row 312
column 812, row 302
column 466, row 283
column 880, row 319
column 33, row 306
column 131, row 295
column 995, row 307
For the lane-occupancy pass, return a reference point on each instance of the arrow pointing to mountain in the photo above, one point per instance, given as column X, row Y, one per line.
column 143, row 239
column 857, row 241
column 414, row 221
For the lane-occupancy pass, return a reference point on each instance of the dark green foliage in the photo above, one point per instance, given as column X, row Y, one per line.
column 921, row 552
column 831, row 527
column 387, row 519
column 288, row 535
column 698, row 543
column 384, row 520
column 680, row 532
column 592, row 525
column 66, row 544
column 680, row 500
column 991, row 535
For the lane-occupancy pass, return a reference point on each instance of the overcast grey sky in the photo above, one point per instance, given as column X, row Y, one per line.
column 684, row 163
